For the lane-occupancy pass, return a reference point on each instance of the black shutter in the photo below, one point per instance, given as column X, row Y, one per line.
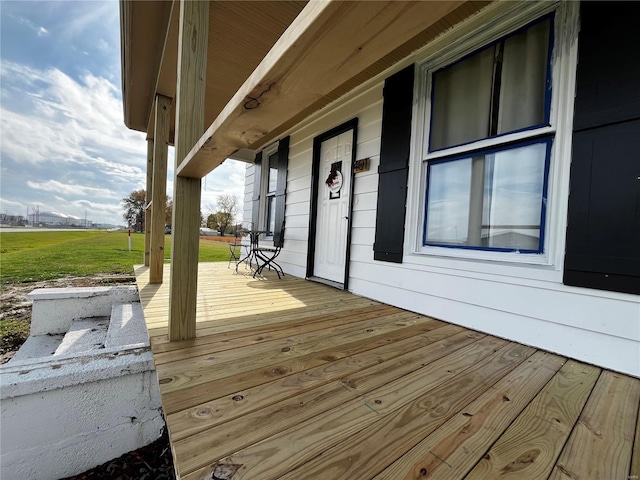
column 257, row 176
column 281, row 190
column 603, row 224
column 394, row 166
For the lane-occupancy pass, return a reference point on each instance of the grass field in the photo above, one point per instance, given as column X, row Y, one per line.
column 35, row 256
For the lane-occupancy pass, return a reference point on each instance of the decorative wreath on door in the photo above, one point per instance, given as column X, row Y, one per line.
column 334, row 180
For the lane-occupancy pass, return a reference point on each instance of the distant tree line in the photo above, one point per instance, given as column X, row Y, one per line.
column 221, row 218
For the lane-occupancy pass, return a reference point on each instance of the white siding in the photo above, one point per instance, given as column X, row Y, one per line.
column 524, row 303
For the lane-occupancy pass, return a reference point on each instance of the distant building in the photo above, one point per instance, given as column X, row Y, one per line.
column 56, row 219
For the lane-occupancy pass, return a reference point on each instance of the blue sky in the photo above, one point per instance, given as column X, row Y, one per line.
column 63, row 143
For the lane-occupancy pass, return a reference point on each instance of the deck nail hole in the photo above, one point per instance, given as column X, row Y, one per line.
column 487, row 457
column 423, row 472
column 56, row 367
column 505, row 398
column 449, row 371
column 286, row 349
column 466, row 414
column 164, row 381
column 237, row 398
column 369, row 330
column 211, row 358
column 377, row 402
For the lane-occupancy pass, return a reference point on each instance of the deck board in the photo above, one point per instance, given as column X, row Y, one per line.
column 601, row 443
column 291, row 379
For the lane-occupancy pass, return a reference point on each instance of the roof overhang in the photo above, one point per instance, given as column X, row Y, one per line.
column 271, row 63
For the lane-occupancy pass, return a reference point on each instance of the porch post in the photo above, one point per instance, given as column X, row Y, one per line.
column 191, row 83
column 147, row 199
column 161, row 140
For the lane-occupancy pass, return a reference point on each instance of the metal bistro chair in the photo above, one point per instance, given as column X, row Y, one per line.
column 235, row 251
column 268, row 256
column 235, row 248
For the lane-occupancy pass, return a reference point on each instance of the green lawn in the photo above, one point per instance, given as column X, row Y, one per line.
column 33, row 256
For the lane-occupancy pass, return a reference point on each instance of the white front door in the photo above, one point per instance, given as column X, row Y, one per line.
column 334, row 192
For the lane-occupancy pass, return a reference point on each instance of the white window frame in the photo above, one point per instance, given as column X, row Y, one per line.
column 264, row 187
column 563, row 66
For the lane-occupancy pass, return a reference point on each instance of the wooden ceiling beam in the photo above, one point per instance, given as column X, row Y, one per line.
column 325, row 46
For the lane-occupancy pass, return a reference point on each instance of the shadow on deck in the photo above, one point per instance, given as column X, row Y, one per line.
column 292, row 379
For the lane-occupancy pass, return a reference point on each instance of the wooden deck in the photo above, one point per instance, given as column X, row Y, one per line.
column 291, row 379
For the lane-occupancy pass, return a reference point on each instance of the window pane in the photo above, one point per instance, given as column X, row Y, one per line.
column 490, row 200
column 524, row 76
column 273, row 173
column 271, row 215
column 448, row 202
column 462, row 101
column 512, row 202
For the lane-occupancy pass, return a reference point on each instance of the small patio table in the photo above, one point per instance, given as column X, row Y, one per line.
column 254, row 236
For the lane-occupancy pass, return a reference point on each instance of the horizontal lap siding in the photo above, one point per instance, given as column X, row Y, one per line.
column 524, row 303
column 368, row 109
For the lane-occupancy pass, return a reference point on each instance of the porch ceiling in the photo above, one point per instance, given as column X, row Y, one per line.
column 240, row 35
column 294, row 59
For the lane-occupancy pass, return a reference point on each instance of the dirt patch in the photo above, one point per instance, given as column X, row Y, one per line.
column 153, row 462
column 15, row 307
column 212, row 238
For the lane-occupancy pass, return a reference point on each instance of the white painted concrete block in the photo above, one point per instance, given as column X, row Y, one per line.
column 55, row 308
column 37, row 347
column 67, row 431
column 84, row 335
column 127, row 325
column 75, row 399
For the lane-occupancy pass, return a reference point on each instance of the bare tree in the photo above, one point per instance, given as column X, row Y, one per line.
column 226, row 214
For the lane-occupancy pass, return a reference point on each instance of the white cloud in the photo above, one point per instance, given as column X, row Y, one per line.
column 70, row 189
column 64, row 145
column 40, row 31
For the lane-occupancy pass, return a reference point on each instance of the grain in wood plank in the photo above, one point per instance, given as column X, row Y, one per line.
column 373, row 448
column 454, row 448
column 284, row 306
column 162, row 122
column 273, row 419
column 530, row 447
column 195, row 394
column 177, row 375
column 412, row 353
column 299, row 444
column 252, row 325
column 210, row 325
column 634, row 471
column 240, row 338
column 187, row 357
column 601, row 443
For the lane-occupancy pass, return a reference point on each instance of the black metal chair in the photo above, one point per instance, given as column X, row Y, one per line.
column 235, row 251
column 268, row 256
